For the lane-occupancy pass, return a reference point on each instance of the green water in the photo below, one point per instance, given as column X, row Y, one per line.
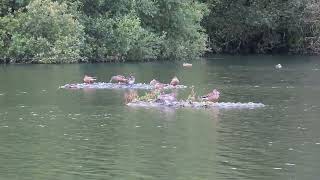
column 50, row 133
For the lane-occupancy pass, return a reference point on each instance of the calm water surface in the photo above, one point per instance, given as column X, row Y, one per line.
column 50, row 133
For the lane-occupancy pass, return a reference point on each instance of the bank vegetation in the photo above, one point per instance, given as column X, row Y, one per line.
column 69, row 31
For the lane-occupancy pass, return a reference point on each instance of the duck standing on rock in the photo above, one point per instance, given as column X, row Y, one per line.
column 153, row 82
column 157, row 84
column 212, row 97
column 131, row 79
column 175, row 81
column 88, row 79
column 122, row 79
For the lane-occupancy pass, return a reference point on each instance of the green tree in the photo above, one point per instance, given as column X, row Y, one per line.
column 310, row 25
column 66, row 31
column 145, row 29
column 254, row 26
column 180, row 22
column 48, row 32
column 7, row 24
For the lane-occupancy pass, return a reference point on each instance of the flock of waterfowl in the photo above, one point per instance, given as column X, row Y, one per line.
column 158, row 97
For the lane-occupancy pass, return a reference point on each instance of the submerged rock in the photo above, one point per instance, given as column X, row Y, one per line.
column 103, row 85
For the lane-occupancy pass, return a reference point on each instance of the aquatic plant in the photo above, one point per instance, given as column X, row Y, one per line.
column 150, row 96
column 130, row 96
column 192, row 95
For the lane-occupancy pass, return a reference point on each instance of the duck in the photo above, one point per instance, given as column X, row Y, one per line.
column 157, row 84
column 187, row 65
column 175, row 81
column 118, row 79
column 213, row 96
column 122, row 79
column 278, row 66
column 153, row 82
column 88, row 79
column 131, row 79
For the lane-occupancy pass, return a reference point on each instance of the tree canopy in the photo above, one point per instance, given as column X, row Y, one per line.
column 67, row 31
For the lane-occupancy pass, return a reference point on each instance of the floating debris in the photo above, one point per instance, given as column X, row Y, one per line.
column 277, row 168
column 103, row 85
column 187, row 65
column 290, row 164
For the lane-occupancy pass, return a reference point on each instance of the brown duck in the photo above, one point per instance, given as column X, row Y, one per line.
column 122, row 79
column 88, row 79
column 175, row 81
column 157, row 84
column 213, row 96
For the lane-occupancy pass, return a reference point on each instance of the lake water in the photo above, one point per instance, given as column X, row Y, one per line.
column 51, row 133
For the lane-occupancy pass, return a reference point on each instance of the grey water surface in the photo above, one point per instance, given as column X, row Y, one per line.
column 64, row 134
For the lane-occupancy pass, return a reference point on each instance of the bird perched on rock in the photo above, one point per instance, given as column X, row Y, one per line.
column 175, row 81
column 88, row 79
column 213, row 96
column 131, row 79
column 122, row 79
column 153, row 82
column 157, row 84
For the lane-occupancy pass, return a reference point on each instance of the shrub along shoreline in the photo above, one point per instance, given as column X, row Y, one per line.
column 78, row 31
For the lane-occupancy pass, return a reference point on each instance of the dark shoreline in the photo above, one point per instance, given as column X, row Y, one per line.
column 209, row 56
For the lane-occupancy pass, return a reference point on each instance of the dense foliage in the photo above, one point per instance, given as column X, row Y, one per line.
column 67, row 31
column 264, row 26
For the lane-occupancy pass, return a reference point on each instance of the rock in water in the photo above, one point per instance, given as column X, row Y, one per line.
column 103, row 85
column 196, row 105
